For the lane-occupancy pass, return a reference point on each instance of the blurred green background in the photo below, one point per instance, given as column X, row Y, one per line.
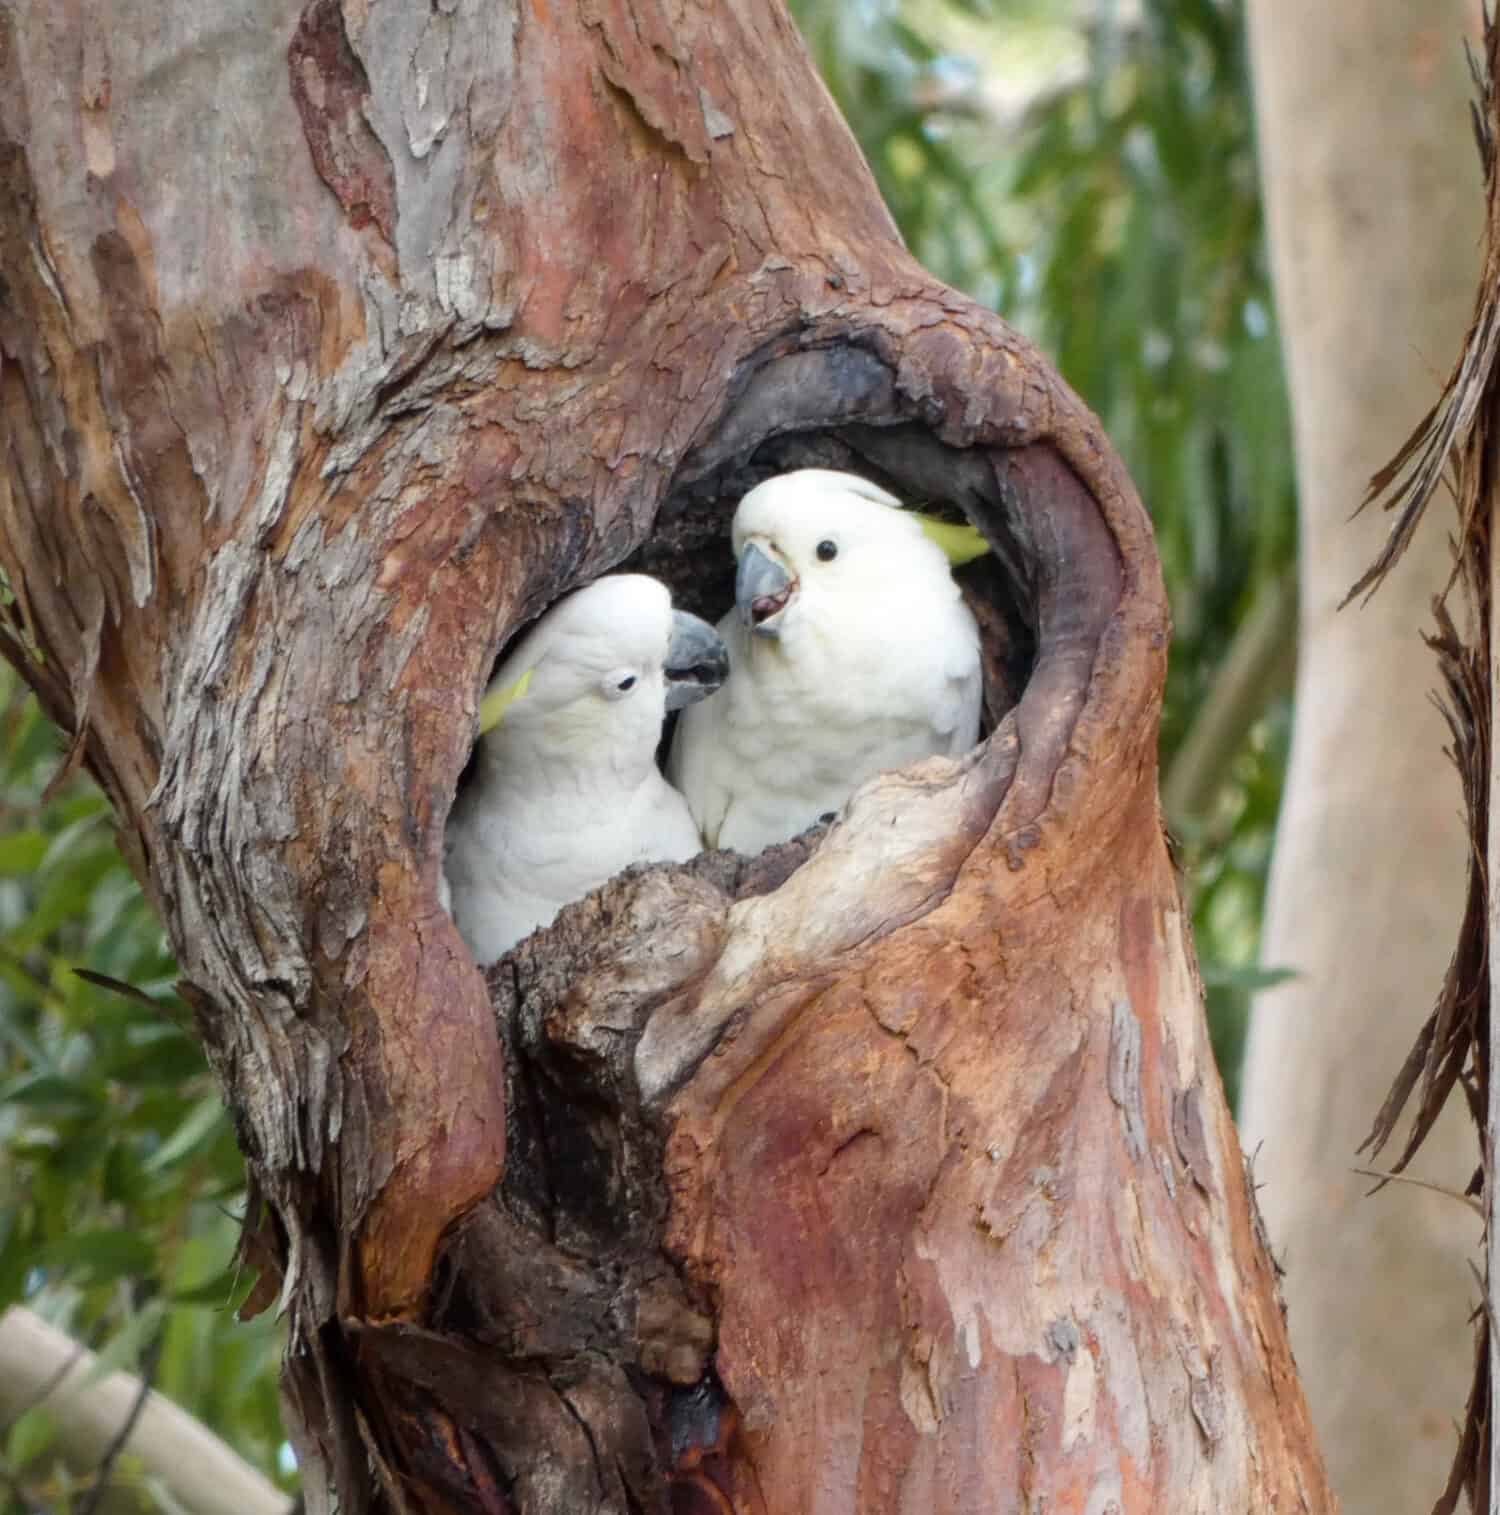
column 1087, row 168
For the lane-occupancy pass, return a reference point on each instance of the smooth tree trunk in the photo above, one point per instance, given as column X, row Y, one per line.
column 888, row 1172
column 1374, row 203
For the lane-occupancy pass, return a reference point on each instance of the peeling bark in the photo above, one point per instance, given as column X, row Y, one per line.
column 1452, row 1055
column 888, row 1171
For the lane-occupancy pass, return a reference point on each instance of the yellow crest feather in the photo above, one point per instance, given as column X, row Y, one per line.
column 962, row 544
column 494, row 705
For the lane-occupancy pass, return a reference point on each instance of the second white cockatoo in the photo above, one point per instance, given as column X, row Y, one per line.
column 566, row 792
column 853, row 653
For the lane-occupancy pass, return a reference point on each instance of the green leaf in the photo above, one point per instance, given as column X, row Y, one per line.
column 47, row 1089
column 226, row 1290
column 100, row 1256
column 202, row 1122
column 17, row 1259
column 1247, row 979
column 21, row 853
column 29, row 1437
column 124, row 1349
column 80, row 835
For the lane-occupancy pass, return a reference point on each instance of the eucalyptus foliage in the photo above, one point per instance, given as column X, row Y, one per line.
column 1107, row 204
column 1109, row 208
column 119, row 1175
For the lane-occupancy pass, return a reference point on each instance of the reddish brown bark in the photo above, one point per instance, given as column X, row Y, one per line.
column 338, row 342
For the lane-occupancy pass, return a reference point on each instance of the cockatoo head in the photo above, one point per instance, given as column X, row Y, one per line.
column 605, row 664
column 812, row 539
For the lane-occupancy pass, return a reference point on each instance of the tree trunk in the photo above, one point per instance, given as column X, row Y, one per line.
column 1374, row 205
column 887, row 1172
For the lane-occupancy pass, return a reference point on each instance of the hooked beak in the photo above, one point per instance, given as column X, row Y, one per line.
column 697, row 661
column 762, row 588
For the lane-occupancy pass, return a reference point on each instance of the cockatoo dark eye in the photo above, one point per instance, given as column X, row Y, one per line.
column 827, row 551
column 625, row 684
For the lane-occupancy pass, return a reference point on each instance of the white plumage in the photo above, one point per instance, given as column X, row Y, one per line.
column 566, row 792
column 853, row 653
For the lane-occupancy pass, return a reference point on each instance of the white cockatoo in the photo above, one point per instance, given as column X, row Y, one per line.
column 566, row 791
column 853, row 653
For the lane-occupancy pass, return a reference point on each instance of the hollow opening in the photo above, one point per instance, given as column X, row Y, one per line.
column 689, row 551
column 688, row 548
column 1043, row 597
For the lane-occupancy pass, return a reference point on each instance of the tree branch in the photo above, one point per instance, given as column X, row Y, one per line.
column 121, row 1439
column 1260, row 663
column 203, row 1474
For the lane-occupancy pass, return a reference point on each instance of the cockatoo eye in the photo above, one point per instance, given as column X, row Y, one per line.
column 827, row 550
column 626, row 684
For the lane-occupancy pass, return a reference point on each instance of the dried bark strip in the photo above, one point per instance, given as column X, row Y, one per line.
column 1456, row 440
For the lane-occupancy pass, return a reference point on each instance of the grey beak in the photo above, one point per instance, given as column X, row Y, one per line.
column 697, row 661
column 761, row 589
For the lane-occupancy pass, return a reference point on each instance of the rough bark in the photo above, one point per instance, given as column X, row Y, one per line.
column 1374, row 205
column 888, row 1172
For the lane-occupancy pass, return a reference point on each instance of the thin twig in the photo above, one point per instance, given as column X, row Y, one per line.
column 149, row 1360
column 118, row 986
column 1466, row 1200
column 1261, row 663
column 46, row 1391
column 164, row 1008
